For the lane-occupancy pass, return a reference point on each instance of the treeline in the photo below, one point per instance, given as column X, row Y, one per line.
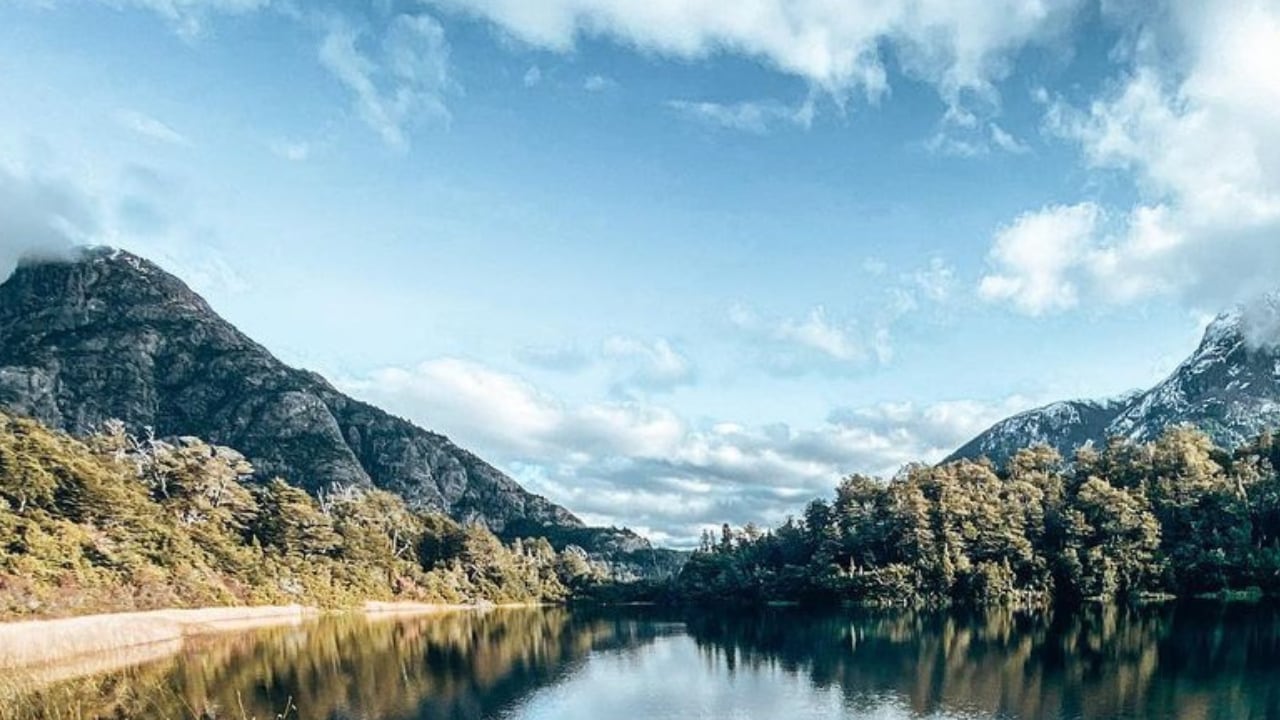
column 115, row 522
column 1177, row 516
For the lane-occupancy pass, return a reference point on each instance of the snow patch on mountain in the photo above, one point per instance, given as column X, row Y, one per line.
column 1229, row 387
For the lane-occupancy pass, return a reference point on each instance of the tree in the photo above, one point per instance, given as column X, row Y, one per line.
column 290, row 521
column 1111, row 543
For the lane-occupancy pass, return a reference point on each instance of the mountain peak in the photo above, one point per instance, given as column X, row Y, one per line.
column 1229, row 387
column 107, row 334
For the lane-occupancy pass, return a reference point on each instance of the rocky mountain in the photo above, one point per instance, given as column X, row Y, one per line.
column 111, row 335
column 1229, row 387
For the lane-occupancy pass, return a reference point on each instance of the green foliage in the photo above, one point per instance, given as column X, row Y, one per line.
column 1175, row 516
column 115, row 522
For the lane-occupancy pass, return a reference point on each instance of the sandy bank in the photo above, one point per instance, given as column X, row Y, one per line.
column 45, row 642
column 35, row 642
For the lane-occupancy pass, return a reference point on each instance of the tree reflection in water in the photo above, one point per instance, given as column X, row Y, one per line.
column 1187, row 661
column 1190, row 661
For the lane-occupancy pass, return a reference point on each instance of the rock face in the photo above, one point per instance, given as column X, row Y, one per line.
column 110, row 335
column 1229, row 387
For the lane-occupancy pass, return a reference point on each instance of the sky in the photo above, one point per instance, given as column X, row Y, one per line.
column 677, row 262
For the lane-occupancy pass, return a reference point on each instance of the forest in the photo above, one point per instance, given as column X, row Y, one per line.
column 115, row 522
column 1174, row 517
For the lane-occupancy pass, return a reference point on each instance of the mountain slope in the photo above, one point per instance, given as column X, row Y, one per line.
column 110, row 335
column 1229, row 387
column 1064, row 425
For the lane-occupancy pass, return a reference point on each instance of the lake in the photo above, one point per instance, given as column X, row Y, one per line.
column 1185, row 661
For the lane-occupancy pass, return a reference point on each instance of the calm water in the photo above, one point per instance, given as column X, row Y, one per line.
column 1186, row 662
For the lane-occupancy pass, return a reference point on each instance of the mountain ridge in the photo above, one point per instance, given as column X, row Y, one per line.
column 107, row 334
column 1229, row 387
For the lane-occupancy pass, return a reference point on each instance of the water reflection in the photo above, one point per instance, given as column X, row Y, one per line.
column 1186, row 662
column 1205, row 661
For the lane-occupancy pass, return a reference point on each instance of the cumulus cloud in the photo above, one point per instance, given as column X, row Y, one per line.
column 756, row 117
column 640, row 464
column 962, row 48
column 41, row 217
column 1194, row 120
column 1037, row 256
column 396, row 81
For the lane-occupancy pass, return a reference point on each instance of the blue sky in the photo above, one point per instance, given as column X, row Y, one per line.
column 675, row 262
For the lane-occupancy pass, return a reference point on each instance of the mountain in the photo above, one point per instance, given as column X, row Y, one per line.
column 108, row 334
column 1229, row 387
column 1064, row 425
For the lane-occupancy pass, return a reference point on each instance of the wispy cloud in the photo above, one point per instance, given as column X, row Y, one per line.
column 599, row 83
column 650, row 366
column 532, row 76
column 149, row 127
column 292, row 150
column 189, row 17
column 758, row 117
column 824, row 341
column 396, row 80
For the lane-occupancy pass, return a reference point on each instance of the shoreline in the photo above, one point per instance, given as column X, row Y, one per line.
column 27, row 645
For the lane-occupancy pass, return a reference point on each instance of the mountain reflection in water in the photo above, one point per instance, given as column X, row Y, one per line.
column 1189, row 661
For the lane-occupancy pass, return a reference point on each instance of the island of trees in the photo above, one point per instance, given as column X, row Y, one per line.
column 116, row 522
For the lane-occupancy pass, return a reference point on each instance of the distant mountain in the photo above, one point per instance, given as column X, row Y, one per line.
column 1064, row 425
column 1229, row 387
column 111, row 335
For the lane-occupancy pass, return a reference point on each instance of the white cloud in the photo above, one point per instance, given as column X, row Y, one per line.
column 1006, row 141
column 656, row 365
column 815, row 341
column 400, row 81
column 968, row 138
column 816, row 332
column 639, row 464
column 598, row 83
column 566, row 357
column 292, row 150
column 875, row 267
column 758, row 117
column 41, row 217
column 823, row 341
column 1194, row 120
column 962, row 47
column 532, row 76
column 189, row 17
column 936, row 282
column 1036, row 258
column 149, row 127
